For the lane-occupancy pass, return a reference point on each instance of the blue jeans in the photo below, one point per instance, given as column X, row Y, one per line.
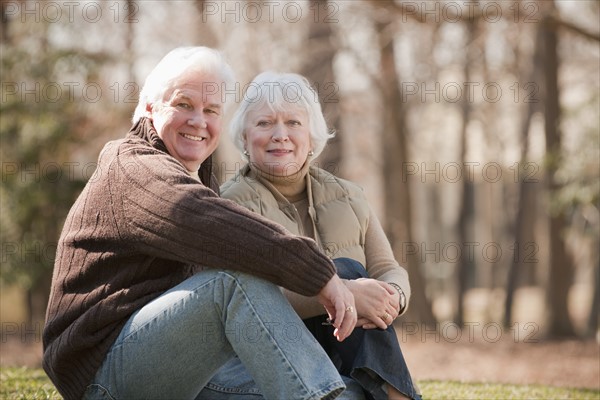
column 367, row 360
column 170, row 348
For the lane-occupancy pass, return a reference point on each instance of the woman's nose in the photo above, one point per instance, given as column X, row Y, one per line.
column 279, row 133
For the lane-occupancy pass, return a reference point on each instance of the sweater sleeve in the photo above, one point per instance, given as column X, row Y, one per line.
column 381, row 263
column 167, row 214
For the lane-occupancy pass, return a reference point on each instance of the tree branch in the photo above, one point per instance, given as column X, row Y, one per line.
column 556, row 22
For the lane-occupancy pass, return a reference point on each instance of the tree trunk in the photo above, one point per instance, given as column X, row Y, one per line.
column 592, row 323
column 561, row 268
column 4, row 20
column 207, row 37
column 320, row 52
column 398, row 208
column 129, row 38
column 466, row 264
column 523, row 210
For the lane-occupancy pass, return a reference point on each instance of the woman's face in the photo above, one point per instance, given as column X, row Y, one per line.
column 189, row 118
column 277, row 142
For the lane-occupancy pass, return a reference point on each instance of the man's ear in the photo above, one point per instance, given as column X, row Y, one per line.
column 148, row 110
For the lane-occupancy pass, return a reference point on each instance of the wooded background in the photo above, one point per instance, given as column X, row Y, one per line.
column 472, row 125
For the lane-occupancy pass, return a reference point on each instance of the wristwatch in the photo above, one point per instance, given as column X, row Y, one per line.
column 402, row 297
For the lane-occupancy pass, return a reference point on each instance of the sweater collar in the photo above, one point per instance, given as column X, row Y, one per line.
column 304, row 189
column 144, row 129
column 291, row 187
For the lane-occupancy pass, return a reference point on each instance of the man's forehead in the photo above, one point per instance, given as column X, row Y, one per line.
column 206, row 89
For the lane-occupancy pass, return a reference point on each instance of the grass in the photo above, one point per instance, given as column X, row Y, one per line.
column 26, row 384
column 459, row 390
column 33, row 384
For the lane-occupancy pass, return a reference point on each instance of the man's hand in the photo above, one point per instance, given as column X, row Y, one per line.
column 339, row 303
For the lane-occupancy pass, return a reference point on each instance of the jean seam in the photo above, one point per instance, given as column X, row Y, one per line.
column 232, row 390
column 334, row 387
column 271, row 339
column 103, row 388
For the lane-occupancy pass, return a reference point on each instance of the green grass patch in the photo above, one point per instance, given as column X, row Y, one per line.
column 26, row 384
column 449, row 390
column 33, row 384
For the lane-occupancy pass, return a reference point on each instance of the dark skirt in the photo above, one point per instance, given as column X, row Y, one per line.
column 372, row 357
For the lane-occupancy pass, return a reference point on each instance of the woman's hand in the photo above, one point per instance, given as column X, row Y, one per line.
column 377, row 303
column 339, row 303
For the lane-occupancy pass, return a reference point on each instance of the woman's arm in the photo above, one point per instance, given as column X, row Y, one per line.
column 381, row 263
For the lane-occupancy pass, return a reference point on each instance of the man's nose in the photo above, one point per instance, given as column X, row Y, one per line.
column 197, row 120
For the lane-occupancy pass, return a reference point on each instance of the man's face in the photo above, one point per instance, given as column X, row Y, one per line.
column 189, row 118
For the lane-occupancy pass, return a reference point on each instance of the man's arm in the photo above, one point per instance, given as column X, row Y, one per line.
column 170, row 215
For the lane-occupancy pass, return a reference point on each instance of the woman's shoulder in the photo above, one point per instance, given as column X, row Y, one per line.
column 331, row 181
column 240, row 188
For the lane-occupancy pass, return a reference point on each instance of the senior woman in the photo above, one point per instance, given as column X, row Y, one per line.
column 280, row 129
column 158, row 281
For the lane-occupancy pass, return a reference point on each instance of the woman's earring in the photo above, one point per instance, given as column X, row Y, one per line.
column 311, row 153
column 246, row 153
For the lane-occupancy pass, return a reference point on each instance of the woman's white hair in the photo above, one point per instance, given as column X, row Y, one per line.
column 280, row 92
column 175, row 64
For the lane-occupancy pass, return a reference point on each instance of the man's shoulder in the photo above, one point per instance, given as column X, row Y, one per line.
column 127, row 145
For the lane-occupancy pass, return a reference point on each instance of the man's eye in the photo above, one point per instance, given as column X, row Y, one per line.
column 184, row 105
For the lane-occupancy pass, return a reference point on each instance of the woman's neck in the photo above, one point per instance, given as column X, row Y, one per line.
column 291, row 186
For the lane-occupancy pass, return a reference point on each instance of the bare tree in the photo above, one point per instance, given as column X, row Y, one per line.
column 561, row 266
column 466, row 265
column 398, row 207
column 320, row 52
column 525, row 207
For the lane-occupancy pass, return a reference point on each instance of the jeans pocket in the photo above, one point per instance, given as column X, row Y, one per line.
column 97, row 392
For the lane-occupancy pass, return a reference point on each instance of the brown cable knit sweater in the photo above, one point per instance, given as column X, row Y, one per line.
column 141, row 226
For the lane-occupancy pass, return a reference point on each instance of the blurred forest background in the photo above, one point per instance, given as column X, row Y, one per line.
column 472, row 125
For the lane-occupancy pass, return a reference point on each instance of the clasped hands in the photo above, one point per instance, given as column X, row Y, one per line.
column 377, row 303
column 366, row 303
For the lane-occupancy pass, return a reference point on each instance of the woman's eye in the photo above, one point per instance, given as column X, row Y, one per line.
column 262, row 123
column 294, row 123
